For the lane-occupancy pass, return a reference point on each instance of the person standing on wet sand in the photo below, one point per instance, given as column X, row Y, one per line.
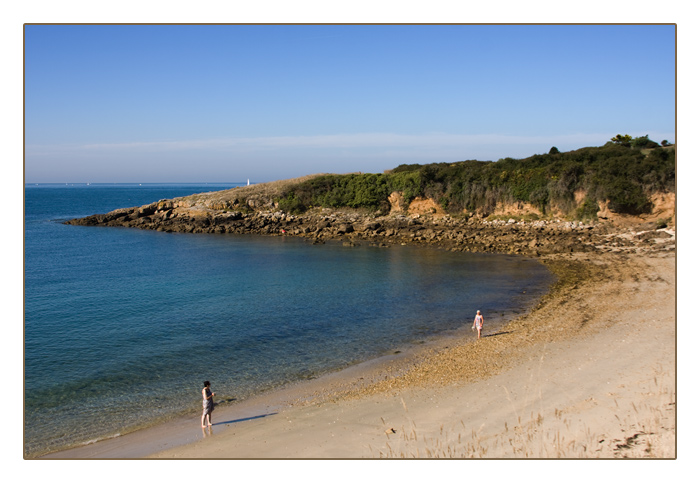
column 478, row 323
column 207, row 403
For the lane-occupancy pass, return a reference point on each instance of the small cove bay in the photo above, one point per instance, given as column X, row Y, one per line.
column 123, row 325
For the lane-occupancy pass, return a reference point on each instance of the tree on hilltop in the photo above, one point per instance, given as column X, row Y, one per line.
column 625, row 140
column 643, row 142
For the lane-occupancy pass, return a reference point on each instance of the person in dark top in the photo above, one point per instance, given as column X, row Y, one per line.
column 207, row 403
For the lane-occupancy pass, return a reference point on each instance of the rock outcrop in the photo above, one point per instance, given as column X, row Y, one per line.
column 242, row 211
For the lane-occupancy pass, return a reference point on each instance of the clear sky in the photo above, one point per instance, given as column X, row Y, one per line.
column 194, row 103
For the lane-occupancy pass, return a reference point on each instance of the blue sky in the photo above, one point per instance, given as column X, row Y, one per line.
column 160, row 103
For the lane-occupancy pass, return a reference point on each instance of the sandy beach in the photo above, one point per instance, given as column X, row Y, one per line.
column 588, row 373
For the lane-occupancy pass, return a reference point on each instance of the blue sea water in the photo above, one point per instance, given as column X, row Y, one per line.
column 123, row 325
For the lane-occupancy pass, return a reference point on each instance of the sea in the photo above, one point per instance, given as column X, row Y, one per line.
column 122, row 325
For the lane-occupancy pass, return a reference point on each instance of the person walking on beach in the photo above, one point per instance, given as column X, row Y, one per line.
column 478, row 323
column 207, row 403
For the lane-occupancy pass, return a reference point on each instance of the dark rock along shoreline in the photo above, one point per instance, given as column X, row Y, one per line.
column 210, row 213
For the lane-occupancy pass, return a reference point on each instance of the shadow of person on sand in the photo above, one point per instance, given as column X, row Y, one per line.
column 244, row 419
column 497, row 334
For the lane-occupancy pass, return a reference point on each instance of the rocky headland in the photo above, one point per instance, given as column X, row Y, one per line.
column 516, row 229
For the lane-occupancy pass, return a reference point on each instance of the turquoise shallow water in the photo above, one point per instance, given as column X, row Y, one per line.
column 123, row 325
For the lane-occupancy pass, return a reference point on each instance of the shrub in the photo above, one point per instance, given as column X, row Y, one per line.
column 626, row 196
column 588, row 210
column 292, row 204
column 643, row 142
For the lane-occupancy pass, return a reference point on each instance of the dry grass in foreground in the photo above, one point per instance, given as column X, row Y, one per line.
column 557, row 435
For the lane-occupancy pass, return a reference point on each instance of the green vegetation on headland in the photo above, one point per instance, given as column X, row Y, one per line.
column 624, row 173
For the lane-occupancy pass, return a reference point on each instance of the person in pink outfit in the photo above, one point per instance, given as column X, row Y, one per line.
column 478, row 324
